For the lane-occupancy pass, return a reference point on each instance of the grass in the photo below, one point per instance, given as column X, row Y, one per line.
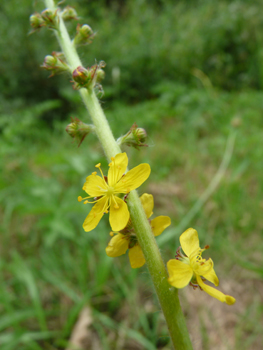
column 50, row 269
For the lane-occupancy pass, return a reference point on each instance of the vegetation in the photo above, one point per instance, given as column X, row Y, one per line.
column 191, row 75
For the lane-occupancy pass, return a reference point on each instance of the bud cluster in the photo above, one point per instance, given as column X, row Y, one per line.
column 55, row 63
column 79, row 130
column 84, row 35
column 88, row 78
column 46, row 18
column 135, row 137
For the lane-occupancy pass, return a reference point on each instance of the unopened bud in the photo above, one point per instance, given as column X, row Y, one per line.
column 84, row 35
column 55, row 63
column 50, row 18
column 135, row 137
column 81, row 76
column 36, row 21
column 69, row 13
column 100, row 75
column 79, row 130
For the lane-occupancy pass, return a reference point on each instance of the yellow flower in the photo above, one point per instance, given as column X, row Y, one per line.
column 192, row 268
column 126, row 239
column 105, row 191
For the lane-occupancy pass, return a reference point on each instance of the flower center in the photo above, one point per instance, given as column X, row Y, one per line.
column 110, row 191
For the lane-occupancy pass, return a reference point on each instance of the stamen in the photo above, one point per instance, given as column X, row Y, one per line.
column 86, row 202
column 111, row 234
column 94, row 173
column 98, row 166
column 207, row 246
column 80, row 198
column 116, row 204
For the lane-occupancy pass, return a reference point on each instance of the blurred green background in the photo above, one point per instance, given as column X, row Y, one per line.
column 191, row 74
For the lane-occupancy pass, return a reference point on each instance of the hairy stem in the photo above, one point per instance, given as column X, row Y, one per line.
column 167, row 295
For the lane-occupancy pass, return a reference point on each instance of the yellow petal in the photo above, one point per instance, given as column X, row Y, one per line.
column 147, row 203
column 215, row 293
column 94, row 186
column 117, row 246
column 119, row 217
column 117, row 168
column 180, row 274
column 95, row 214
column 189, row 241
column 211, row 277
column 159, row 224
column 133, row 179
column 136, row 257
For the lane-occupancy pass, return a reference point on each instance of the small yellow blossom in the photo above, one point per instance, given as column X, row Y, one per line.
column 192, row 268
column 105, row 192
column 126, row 239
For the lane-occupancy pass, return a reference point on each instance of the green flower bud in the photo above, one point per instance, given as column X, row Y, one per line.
column 36, row 21
column 84, row 35
column 55, row 63
column 50, row 18
column 79, row 130
column 100, row 75
column 135, row 137
column 69, row 13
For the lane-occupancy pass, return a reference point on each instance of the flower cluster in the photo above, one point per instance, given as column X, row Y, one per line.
column 88, row 78
column 109, row 194
column 192, row 268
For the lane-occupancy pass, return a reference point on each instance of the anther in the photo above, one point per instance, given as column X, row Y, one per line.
column 112, row 158
column 86, row 202
column 94, row 173
column 116, row 206
column 207, row 247
column 79, row 198
column 111, row 234
column 98, row 165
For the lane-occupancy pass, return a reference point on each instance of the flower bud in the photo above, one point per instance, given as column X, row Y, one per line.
column 135, row 137
column 81, row 76
column 100, row 75
column 36, row 21
column 79, row 130
column 55, row 63
column 50, row 18
column 84, row 35
column 69, row 13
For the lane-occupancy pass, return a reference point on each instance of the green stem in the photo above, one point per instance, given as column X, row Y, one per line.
column 167, row 295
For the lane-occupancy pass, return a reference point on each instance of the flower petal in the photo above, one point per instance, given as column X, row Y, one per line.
column 189, row 241
column 94, row 186
column 147, row 203
column 211, row 277
column 117, row 168
column 133, row 179
column 117, row 246
column 136, row 257
column 180, row 274
column 119, row 217
column 95, row 214
column 159, row 224
column 215, row 293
